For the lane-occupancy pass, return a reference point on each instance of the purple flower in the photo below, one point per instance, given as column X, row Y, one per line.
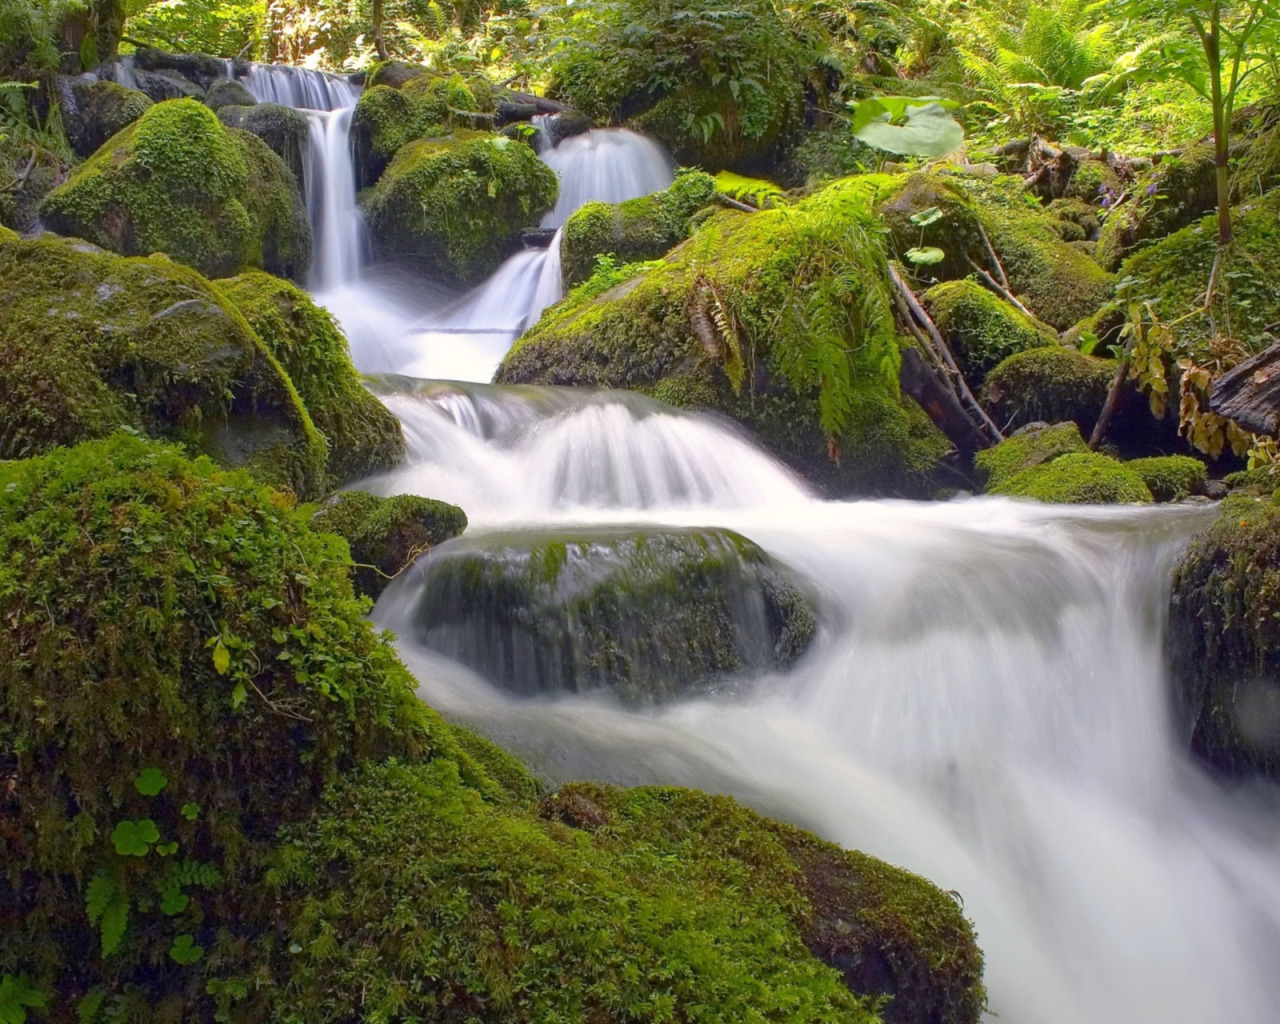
column 1106, row 202
column 1151, row 189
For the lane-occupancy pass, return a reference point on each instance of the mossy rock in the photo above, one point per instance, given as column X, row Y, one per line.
column 8, row 234
column 93, row 342
column 1053, row 464
column 1173, row 273
column 781, row 319
column 44, row 170
column 176, row 181
column 283, row 129
column 100, row 109
column 1170, row 477
column 363, row 436
column 1093, row 181
column 203, row 69
column 456, row 204
column 166, row 85
column 227, row 92
column 1223, row 640
column 1049, row 384
column 1030, row 447
column 648, row 616
column 1059, row 283
column 981, row 327
column 1260, row 482
column 386, row 535
column 393, row 74
column 183, row 662
column 633, row 231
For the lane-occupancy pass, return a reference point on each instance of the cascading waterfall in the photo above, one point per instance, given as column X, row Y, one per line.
column 985, row 703
column 609, row 165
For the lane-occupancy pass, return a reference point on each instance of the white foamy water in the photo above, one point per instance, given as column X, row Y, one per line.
column 299, row 87
column 609, row 165
column 985, row 702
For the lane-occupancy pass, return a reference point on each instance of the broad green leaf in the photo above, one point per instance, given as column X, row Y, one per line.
column 926, row 217
column 184, row 949
column 1089, row 342
column 150, row 781
column 926, row 256
column 929, row 132
column 174, row 901
column 134, row 838
column 221, row 658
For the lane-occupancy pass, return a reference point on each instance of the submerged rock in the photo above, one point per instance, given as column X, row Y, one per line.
column 92, row 342
column 363, row 436
column 1223, row 640
column 647, row 615
column 386, row 535
column 176, row 181
column 456, row 204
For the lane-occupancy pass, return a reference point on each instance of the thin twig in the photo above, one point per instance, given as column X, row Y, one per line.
column 991, row 251
column 1003, row 292
column 732, row 203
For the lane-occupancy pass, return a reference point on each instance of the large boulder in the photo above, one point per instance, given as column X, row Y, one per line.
column 176, row 181
column 722, row 88
column 93, row 342
column 633, row 231
column 363, row 436
column 456, row 204
column 1223, row 640
column 646, row 615
column 283, row 129
column 386, row 535
column 982, row 328
column 201, row 68
column 781, row 319
column 1051, row 383
column 97, row 111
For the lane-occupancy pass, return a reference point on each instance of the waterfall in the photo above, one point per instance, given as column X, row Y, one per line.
column 300, row 87
column 985, row 701
column 609, row 165
column 330, row 187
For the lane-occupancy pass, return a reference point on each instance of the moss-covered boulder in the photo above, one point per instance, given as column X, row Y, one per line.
column 734, row 102
column 183, row 668
column 8, row 234
column 633, row 231
column 982, row 328
column 283, row 129
column 93, row 342
column 781, row 319
column 224, row 801
column 1172, row 275
column 227, row 92
column 363, row 436
column 1223, row 639
column 1170, row 477
column 707, row 911
column 1049, row 384
column 98, row 110
column 1053, row 464
column 456, row 204
column 176, row 181
column 386, row 535
column 1059, row 282
column 646, row 615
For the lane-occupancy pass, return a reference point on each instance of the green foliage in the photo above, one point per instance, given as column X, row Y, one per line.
column 363, row 436
column 17, row 996
column 223, row 28
column 1082, row 478
column 457, row 203
column 756, row 191
column 176, row 181
column 907, row 125
column 1170, row 477
column 981, row 327
column 1027, row 449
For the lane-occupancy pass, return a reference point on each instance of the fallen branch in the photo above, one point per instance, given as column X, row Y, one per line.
column 1002, row 291
column 733, row 204
column 991, row 251
column 1113, row 399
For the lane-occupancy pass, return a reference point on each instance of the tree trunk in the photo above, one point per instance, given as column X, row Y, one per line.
column 1212, row 40
column 378, row 43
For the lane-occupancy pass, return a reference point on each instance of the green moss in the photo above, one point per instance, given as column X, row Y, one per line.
column 1027, row 449
column 1259, row 482
column 387, row 534
column 127, row 575
column 363, row 436
column 227, row 92
column 982, row 328
column 1092, row 181
column 1049, row 384
column 648, row 616
column 92, row 342
column 1081, row 478
column 176, row 181
column 283, row 129
column 783, row 316
column 393, row 74
column 1172, row 274
column 8, row 234
column 1223, row 639
column 1170, row 477
column 639, row 229
column 101, row 110
column 456, row 204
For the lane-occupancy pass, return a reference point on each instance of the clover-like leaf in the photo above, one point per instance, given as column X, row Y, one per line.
column 184, row 949
column 134, row 838
column 174, row 901
column 166, row 849
column 150, row 781
column 190, row 812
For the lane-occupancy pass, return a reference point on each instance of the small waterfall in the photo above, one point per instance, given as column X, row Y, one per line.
column 330, row 187
column 301, row 88
column 124, row 72
column 608, row 165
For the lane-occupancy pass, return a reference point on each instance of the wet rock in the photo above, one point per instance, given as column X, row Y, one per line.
column 227, row 92
column 97, row 111
column 648, row 615
column 283, row 129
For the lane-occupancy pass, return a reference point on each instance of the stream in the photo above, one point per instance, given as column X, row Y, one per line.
column 984, row 703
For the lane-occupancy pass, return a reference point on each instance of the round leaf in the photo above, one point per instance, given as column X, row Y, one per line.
column 926, row 256
column 150, row 781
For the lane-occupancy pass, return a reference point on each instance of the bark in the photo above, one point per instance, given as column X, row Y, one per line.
column 1249, row 394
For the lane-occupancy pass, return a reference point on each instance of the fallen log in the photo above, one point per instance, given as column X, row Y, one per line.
column 1249, row 394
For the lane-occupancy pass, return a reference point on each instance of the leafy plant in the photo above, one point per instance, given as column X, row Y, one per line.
column 908, row 125
column 17, row 996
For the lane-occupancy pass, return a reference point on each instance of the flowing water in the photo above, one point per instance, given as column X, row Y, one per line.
column 984, row 703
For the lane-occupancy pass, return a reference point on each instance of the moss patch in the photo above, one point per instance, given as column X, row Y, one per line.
column 1027, row 449
column 178, row 182
column 639, row 229
column 387, row 534
column 363, row 436
column 283, row 129
column 1049, row 384
column 1076, row 478
column 91, row 342
column 1170, row 477
column 982, row 328
column 1223, row 639
column 8, row 234
column 456, row 204
column 101, row 110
